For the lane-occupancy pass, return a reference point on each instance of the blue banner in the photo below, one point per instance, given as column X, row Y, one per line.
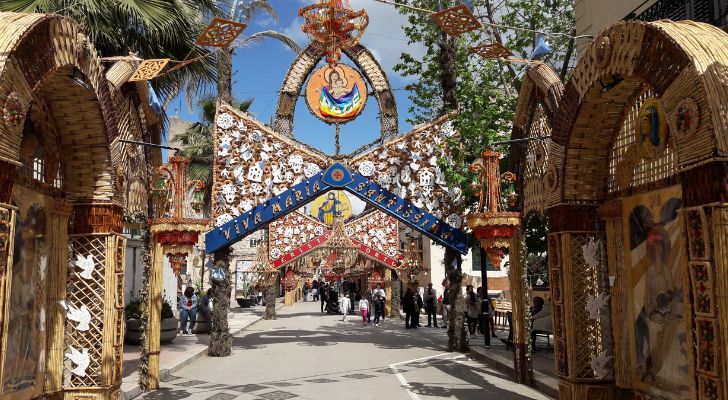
column 336, row 177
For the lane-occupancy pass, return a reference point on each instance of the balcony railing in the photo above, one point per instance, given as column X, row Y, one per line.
column 709, row 11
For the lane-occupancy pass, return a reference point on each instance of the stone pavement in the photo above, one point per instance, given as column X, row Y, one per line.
column 308, row 355
column 183, row 349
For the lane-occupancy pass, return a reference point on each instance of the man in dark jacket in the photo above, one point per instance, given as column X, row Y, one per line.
column 431, row 305
column 408, row 306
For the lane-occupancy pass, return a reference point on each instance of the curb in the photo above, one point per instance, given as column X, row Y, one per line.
column 543, row 383
column 165, row 373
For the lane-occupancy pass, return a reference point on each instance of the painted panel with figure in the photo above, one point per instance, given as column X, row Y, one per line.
column 657, row 292
column 24, row 360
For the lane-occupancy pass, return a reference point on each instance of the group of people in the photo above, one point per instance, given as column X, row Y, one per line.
column 188, row 305
column 372, row 302
column 413, row 302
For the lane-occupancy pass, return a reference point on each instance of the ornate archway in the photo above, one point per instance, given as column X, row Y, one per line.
column 638, row 163
column 59, row 202
column 302, row 67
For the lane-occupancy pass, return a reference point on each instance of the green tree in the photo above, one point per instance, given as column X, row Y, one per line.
column 483, row 92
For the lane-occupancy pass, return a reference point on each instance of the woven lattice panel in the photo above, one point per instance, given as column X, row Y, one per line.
column 627, row 168
column 86, row 288
column 589, row 336
column 554, row 178
column 534, row 196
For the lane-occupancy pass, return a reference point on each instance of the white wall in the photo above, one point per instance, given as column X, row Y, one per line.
column 594, row 15
column 134, row 269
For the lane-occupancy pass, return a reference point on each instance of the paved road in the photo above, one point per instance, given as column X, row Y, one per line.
column 306, row 355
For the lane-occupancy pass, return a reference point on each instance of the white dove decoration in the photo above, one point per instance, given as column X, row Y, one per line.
column 80, row 315
column 80, row 358
column 86, row 264
column 595, row 303
column 599, row 364
column 589, row 252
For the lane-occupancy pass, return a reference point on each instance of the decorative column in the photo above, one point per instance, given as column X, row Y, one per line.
column 388, row 293
column 94, row 328
column 56, row 293
column 705, row 197
column 580, row 301
column 520, row 310
column 175, row 227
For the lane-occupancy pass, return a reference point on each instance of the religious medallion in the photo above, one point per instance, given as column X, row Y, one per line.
column 336, row 94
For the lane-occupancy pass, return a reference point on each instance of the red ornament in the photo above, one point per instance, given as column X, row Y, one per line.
column 289, row 281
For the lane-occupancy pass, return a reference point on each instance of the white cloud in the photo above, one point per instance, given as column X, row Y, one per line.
column 384, row 36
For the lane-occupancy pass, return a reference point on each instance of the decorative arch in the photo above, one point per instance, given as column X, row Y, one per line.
column 602, row 189
column 302, row 67
column 664, row 55
column 47, row 56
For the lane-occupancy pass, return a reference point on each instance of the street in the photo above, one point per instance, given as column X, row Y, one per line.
column 308, row 355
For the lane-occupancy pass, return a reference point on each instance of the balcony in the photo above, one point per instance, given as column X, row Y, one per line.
column 709, row 11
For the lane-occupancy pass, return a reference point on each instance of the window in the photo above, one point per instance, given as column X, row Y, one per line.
column 38, row 169
column 476, row 261
column 58, row 182
column 254, row 242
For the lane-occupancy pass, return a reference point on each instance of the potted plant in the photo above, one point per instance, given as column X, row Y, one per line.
column 168, row 325
column 246, row 296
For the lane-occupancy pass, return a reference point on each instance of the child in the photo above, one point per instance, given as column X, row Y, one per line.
column 377, row 309
column 344, row 306
column 364, row 308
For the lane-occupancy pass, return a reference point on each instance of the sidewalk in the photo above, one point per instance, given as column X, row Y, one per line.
column 501, row 359
column 183, row 350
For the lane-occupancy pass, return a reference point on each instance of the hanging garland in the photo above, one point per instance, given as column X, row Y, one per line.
column 146, row 259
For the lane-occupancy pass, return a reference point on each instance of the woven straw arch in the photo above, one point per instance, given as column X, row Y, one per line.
column 676, row 60
column 538, row 101
column 302, row 67
column 38, row 56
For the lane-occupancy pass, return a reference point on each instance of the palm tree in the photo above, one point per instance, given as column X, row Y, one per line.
column 244, row 10
column 148, row 28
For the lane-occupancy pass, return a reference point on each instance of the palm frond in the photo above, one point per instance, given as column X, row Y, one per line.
column 244, row 11
column 281, row 37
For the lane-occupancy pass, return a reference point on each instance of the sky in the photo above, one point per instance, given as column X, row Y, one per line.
column 259, row 71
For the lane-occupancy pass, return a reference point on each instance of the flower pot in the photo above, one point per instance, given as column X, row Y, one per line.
column 133, row 334
column 245, row 302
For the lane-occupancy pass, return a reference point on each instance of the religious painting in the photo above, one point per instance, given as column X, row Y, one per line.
column 332, row 204
column 24, row 356
column 336, row 93
column 656, row 261
column 652, row 129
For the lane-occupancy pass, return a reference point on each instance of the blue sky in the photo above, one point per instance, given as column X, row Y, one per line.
column 259, row 71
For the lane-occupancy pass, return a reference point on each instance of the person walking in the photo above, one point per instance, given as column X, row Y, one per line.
column 420, row 305
column 323, row 297
column 315, row 286
column 370, row 299
column 408, row 306
column 445, row 303
column 382, row 296
column 187, row 305
column 431, row 305
column 378, row 308
column 344, row 305
column 471, row 309
column 364, row 309
column 305, row 291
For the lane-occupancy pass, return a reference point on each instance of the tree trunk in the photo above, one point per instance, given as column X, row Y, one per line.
column 221, row 341
column 457, row 335
column 270, row 302
column 225, row 75
column 499, row 40
column 567, row 57
column 395, row 296
column 448, row 76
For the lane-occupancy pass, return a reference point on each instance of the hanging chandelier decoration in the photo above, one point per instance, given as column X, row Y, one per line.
column 338, row 250
column 412, row 266
column 492, row 224
column 262, row 274
column 177, row 218
column 333, row 26
column 289, row 280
